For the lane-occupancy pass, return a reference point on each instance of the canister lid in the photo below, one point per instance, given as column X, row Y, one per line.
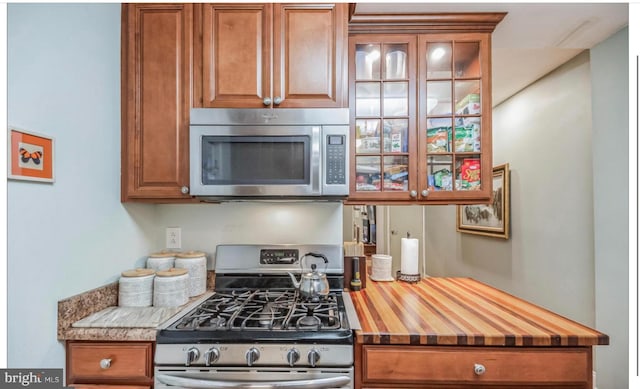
column 138, row 272
column 172, row 272
column 190, row 254
column 163, row 254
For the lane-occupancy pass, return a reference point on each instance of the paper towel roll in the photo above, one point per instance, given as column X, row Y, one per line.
column 409, row 256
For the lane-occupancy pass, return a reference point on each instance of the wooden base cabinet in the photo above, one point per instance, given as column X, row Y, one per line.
column 119, row 365
column 382, row 366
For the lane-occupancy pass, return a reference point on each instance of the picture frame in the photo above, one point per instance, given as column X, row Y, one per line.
column 30, row 156
column 489, row 219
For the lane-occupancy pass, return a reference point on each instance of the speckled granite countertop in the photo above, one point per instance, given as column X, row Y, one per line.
column 95, row 315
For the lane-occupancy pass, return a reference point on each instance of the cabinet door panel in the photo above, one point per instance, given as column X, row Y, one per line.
column 156, row 100
column 309, row 54
column 236, row 55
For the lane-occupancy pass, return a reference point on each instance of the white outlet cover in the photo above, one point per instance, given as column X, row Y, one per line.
column 173, row 238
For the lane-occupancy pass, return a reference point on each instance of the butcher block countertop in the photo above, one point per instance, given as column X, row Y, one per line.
column 460, row 311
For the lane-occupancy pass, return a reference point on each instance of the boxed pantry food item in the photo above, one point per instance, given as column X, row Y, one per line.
column 440, row 180
column 470, row 174
column 467, row 138
column 439, row 140
column 469, row 105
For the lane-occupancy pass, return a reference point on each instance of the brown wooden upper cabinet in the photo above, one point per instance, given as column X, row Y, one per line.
column 421, row 110
column 270, row 55
column 156, row 81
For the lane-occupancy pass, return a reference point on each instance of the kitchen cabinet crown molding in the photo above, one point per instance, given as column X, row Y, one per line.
column 416, row 23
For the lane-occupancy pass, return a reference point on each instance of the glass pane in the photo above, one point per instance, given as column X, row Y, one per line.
column 396, row 173
column 439, row 135
column 395, row 62
column 260, row 160
column 439, row 60
column 396, row 99
column 396, row 136
column 468, row 97
column 439, row 98
column 368, row 99
column 439, row 172
column 368, row 136
column 368, row 62
column 468, row 173
column 367, row 173
column 467, row 135
column 467, row 59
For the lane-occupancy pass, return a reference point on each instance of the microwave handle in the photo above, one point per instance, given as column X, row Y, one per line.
column 193, row 383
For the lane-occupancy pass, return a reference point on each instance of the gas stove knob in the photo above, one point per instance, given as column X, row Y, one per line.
column 313, row 357
column 192, row 355
column 293, row 356
column 211, row 356
column 252, row 356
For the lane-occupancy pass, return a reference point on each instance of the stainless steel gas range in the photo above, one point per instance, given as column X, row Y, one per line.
column 256, row 330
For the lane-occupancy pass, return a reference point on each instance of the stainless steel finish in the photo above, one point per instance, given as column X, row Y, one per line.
column 267, row 377
column 266, row 101
column 333, row 189
column 278, row 100
column 267, row 116
column 105, row 363
column 425, row 193
column 413, row 194
column 313, row 284
column 271, row 354
column 252, row 356
column 242, row 259
column 479, row 369
column 211, row 356
column 293, row 356
column 192, row 355
column 313, row 357
column 350, row 309
column 184, row 189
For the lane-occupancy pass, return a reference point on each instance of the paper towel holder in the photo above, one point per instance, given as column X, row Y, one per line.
column 410, row 278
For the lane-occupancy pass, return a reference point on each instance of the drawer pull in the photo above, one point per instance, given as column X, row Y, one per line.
column 105, row 363
column 479, row 369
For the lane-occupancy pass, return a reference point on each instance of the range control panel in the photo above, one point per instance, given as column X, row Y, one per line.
column 279, row 256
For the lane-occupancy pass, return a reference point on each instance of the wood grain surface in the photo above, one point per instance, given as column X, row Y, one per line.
column 460, row 311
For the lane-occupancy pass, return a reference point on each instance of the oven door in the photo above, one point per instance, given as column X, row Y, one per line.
column 247, row 378
column 254, row 161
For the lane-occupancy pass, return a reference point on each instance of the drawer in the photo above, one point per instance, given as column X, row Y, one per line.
column 415, row 364
column 128, row 362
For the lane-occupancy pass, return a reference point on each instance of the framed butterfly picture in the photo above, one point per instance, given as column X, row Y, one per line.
column 30, row 156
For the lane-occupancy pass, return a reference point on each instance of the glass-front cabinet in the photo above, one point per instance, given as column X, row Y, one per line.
column 421, row 118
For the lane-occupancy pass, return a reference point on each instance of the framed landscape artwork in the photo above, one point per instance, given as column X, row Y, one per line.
column 30, row 156
column 488, row 219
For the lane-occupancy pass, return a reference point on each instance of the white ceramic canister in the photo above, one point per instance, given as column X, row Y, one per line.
column 135, row 288
column 171, row 288
column 161, row 261
column 196, row 263
column 381, row 267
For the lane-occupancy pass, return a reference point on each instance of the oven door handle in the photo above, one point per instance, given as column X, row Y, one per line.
column 318, row 383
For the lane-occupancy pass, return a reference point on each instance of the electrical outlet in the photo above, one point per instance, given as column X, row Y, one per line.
column 174, row 237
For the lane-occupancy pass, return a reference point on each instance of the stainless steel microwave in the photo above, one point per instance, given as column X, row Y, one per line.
column 284, row 152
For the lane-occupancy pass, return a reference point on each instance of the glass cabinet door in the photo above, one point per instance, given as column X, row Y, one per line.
column 384, row 84
column 452, row 149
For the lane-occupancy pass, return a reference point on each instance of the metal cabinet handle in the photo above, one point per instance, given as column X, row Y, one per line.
column 413, row 194
column 479, row 369
column 277, row 100
column 105, row 363
column 425, row 193
column 184, row 190
column 266, row 101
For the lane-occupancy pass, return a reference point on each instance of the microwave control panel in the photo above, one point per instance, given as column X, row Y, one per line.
column 336, row 157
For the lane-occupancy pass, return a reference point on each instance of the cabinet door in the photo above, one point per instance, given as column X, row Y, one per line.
column 309, row 55
column 236, row 54
column 454, row 117
column 383, row 100
column 156, row 65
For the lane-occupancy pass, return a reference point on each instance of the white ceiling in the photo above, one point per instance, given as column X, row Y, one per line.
column 532, row 39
